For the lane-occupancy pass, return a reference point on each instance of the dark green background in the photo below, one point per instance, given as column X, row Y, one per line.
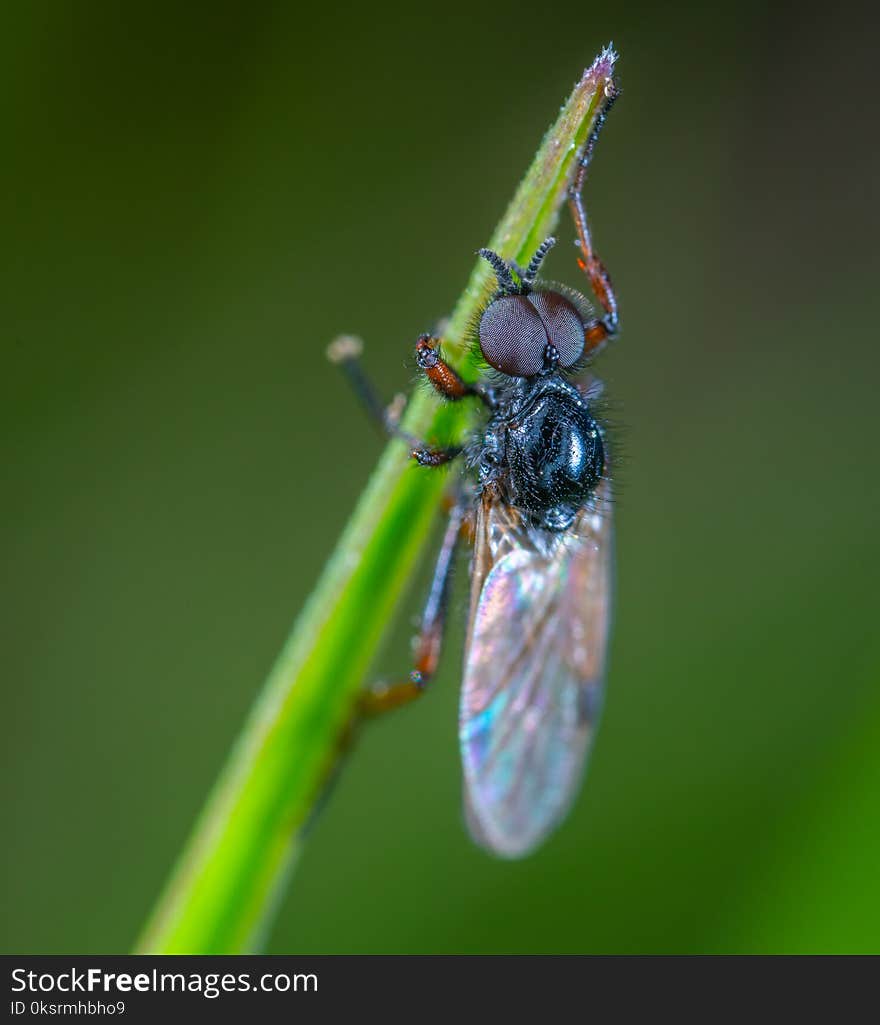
column 196, row 199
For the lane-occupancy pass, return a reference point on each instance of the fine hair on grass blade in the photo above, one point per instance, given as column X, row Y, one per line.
column 233, row 869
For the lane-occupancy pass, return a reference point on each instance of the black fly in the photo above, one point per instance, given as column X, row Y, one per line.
column 537, row 507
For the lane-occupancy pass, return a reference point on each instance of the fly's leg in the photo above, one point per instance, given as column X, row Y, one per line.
column 382, row 697
column 345, row 351
column 600, row 329
column 435, row 456
column 445, row 380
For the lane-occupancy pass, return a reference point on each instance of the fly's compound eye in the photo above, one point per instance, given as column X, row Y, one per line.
column 519, row 333
column 563, row 324
column 512, row 336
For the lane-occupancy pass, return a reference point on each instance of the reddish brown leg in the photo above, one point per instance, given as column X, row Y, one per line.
column 345, row 351
column 445, row 380
column 600, row 329
column 448, row 383
column 382, row 697
column 435, row 456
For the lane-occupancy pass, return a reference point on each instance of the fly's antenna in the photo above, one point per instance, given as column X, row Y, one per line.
column 535, row 263
column 502, row 271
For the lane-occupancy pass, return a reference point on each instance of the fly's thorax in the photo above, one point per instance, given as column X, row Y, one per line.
column 546, row 448
column 488, row 453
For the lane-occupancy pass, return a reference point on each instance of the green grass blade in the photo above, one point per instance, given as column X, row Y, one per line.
column 232, row 871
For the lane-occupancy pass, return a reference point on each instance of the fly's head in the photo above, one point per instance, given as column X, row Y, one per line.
column 526, row 331
column 543, row 444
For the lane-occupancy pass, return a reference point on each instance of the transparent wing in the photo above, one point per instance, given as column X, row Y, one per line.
column 534, row 670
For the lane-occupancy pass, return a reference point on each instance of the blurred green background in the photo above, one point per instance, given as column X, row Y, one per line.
column 196, row 198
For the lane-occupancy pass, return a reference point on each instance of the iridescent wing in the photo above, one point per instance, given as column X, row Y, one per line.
column 534, row 670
